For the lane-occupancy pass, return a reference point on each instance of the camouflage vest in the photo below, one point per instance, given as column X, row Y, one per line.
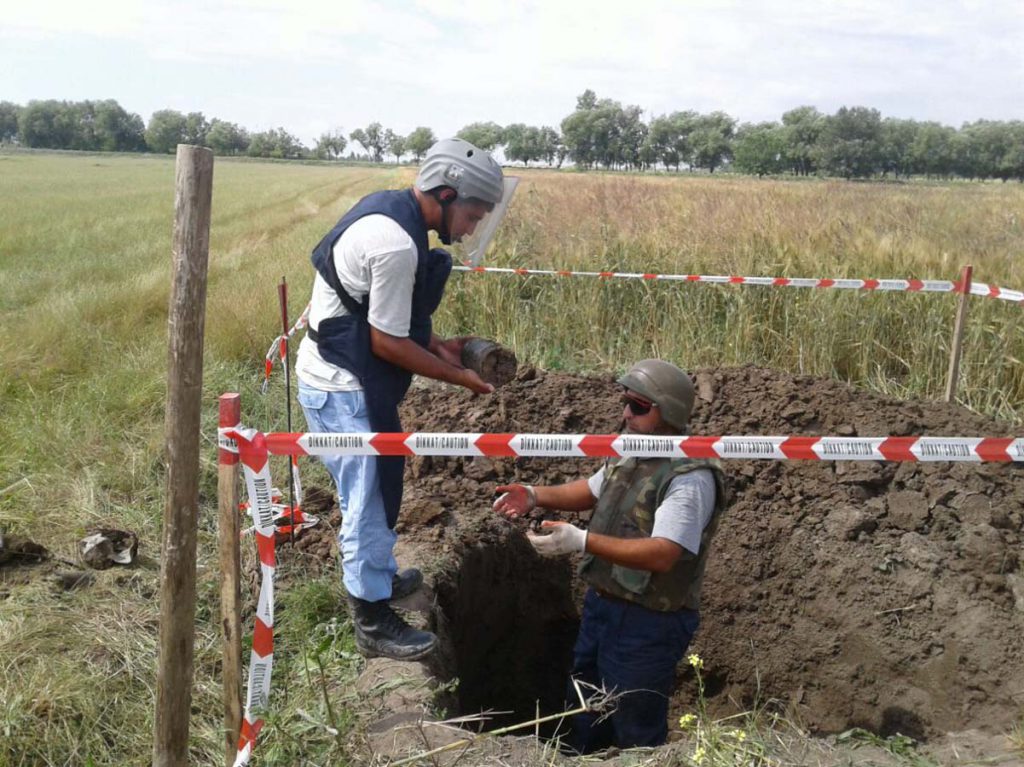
column 632, row 491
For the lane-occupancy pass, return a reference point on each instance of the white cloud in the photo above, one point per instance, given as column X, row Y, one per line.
column 54, row 18
column 444, row 63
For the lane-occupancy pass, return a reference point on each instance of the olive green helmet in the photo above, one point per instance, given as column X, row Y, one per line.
column 666, row 386
column 471, row 172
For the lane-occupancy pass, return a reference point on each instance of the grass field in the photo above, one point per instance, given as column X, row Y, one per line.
column 84, row 276
column 895, row 343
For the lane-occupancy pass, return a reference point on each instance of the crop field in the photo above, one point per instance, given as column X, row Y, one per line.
column 84, row 280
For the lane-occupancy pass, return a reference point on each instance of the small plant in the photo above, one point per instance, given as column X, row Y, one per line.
column 900, row 746
column 715, row 742
column 444, row 692
column 1016, row 737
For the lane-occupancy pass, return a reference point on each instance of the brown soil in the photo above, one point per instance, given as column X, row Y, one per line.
column 880, row 595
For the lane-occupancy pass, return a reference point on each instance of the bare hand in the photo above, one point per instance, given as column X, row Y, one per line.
column 515, row 501
column 472, row 381
column 451, row 350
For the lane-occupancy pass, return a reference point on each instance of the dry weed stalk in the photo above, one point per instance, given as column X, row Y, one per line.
column 599, row 700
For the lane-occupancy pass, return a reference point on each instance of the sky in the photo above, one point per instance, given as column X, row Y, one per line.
column 321, row 65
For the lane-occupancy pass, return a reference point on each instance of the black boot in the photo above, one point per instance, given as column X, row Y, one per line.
column 406, row 582
column 381, row 632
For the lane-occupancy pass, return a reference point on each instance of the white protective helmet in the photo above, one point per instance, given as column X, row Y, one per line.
column 471, row 172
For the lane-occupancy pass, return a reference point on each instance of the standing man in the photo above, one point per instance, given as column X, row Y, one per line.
column 643, row 559
column 376, row 287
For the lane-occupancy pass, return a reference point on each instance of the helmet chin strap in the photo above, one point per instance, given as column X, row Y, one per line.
column 443, row 232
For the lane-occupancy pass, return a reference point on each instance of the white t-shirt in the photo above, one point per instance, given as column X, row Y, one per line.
column 685, row 510
column 374, row 257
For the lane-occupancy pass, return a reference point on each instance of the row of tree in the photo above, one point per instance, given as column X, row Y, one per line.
column 855, row 142
column 105, row 126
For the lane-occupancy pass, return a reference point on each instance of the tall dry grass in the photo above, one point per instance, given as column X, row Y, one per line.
column 894, row 343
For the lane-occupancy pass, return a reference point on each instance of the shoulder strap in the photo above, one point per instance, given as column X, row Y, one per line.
column 663, row 479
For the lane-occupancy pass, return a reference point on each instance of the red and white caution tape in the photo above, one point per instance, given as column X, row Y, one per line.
column 279, row 348
column 284, row 518
column 971, row 449
column 270, row 518
column 252, row 449
column 907, row 285
column 296, row 481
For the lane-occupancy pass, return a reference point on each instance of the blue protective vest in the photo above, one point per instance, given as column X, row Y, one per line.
column 345, row 341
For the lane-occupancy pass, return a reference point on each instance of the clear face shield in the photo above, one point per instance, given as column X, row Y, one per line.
column 470, row 248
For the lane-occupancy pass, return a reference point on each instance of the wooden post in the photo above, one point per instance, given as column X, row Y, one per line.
column 186, row 315
column 953, row 376
column 231, row 574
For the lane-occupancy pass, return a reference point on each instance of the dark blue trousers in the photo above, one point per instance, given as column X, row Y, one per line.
column 633, row 651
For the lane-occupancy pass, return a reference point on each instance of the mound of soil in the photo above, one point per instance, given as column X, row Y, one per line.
column 880, row 595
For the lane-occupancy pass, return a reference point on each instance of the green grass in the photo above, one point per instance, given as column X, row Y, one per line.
column 84, row 281
column 84, row 277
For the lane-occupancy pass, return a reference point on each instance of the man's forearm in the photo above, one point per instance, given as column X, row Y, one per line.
column 409, row 355
column 655, row 554
column 572, row 496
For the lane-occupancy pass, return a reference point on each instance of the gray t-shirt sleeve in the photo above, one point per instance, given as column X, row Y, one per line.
column 686, row 509
column 595, row 481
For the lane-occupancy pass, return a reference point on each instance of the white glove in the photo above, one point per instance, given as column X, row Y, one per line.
column 563, row 539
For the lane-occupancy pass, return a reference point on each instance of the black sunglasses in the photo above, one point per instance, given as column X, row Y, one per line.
column 635, row 406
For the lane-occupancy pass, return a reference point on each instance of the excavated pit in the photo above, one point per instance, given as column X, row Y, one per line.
column 506, row 621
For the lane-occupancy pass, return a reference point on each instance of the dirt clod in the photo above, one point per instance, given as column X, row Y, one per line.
column 17, row 549
column 69, row 580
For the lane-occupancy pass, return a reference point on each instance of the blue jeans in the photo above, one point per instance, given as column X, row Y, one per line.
column 365, row 541
column 632, row 651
